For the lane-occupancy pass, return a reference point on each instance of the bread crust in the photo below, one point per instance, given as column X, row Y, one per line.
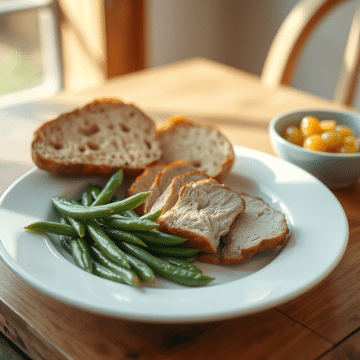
column 79, row 169
column 173, row 124
column 83, row 168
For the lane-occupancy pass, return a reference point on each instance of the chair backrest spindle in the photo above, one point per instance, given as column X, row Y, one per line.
column 292, row 36
column 349, row 73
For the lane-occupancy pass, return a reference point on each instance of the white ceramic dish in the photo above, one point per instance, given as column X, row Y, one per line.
column 317, row 241
column 336, row 171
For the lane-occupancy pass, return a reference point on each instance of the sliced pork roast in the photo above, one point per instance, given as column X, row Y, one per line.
column 204, row 212
column 171, row 194
column 163, row 180
column 259, row 228
column 143, row 182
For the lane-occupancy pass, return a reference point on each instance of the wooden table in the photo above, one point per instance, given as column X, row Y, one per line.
column 323, row 323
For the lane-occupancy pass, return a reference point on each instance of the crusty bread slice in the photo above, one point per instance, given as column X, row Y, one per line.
column 163, row 180
column 204, row 212
column 200, row 144
column 97, row 139
column 171, row 194
column 259, row 228
column 143, row 182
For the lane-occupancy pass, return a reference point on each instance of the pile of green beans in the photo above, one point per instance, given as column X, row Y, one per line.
column 106, row 237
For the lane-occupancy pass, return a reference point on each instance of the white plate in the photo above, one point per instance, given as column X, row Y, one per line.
column 317, row 241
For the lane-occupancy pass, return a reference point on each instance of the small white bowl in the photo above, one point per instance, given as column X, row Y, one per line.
column 335, row 170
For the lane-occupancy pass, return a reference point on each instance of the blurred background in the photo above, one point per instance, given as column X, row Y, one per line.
column 46, row 46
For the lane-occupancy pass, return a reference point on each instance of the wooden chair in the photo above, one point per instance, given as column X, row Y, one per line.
column 291, row 37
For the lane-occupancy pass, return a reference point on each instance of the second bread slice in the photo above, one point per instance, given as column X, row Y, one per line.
column 200, row 144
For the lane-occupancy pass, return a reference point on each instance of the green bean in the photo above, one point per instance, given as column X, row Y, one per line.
column 129, row 276
column 131, row 214
column 120, row 235
column 78, row 225
column 144, row 271
column 106, row 245
column 155, row 237
column 128, row 213
column 166, row 270
column 131, row 224
column 65, row 243
column 153, row 216
column 86, row 197
column 181, row 263
column 115, row 233
column 110, row 188
column 106, row 273
column 81, row 254
column 94, row 212
column 52, row 228
column 63, row 239
column 177, row 251
column 63, row 219
column 95, row 191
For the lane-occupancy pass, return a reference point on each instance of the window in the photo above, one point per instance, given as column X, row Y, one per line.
column 29, row 51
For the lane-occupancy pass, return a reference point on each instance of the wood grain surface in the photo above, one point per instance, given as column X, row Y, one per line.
column 84, row 335
column 332, row 308
column 322, row 323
